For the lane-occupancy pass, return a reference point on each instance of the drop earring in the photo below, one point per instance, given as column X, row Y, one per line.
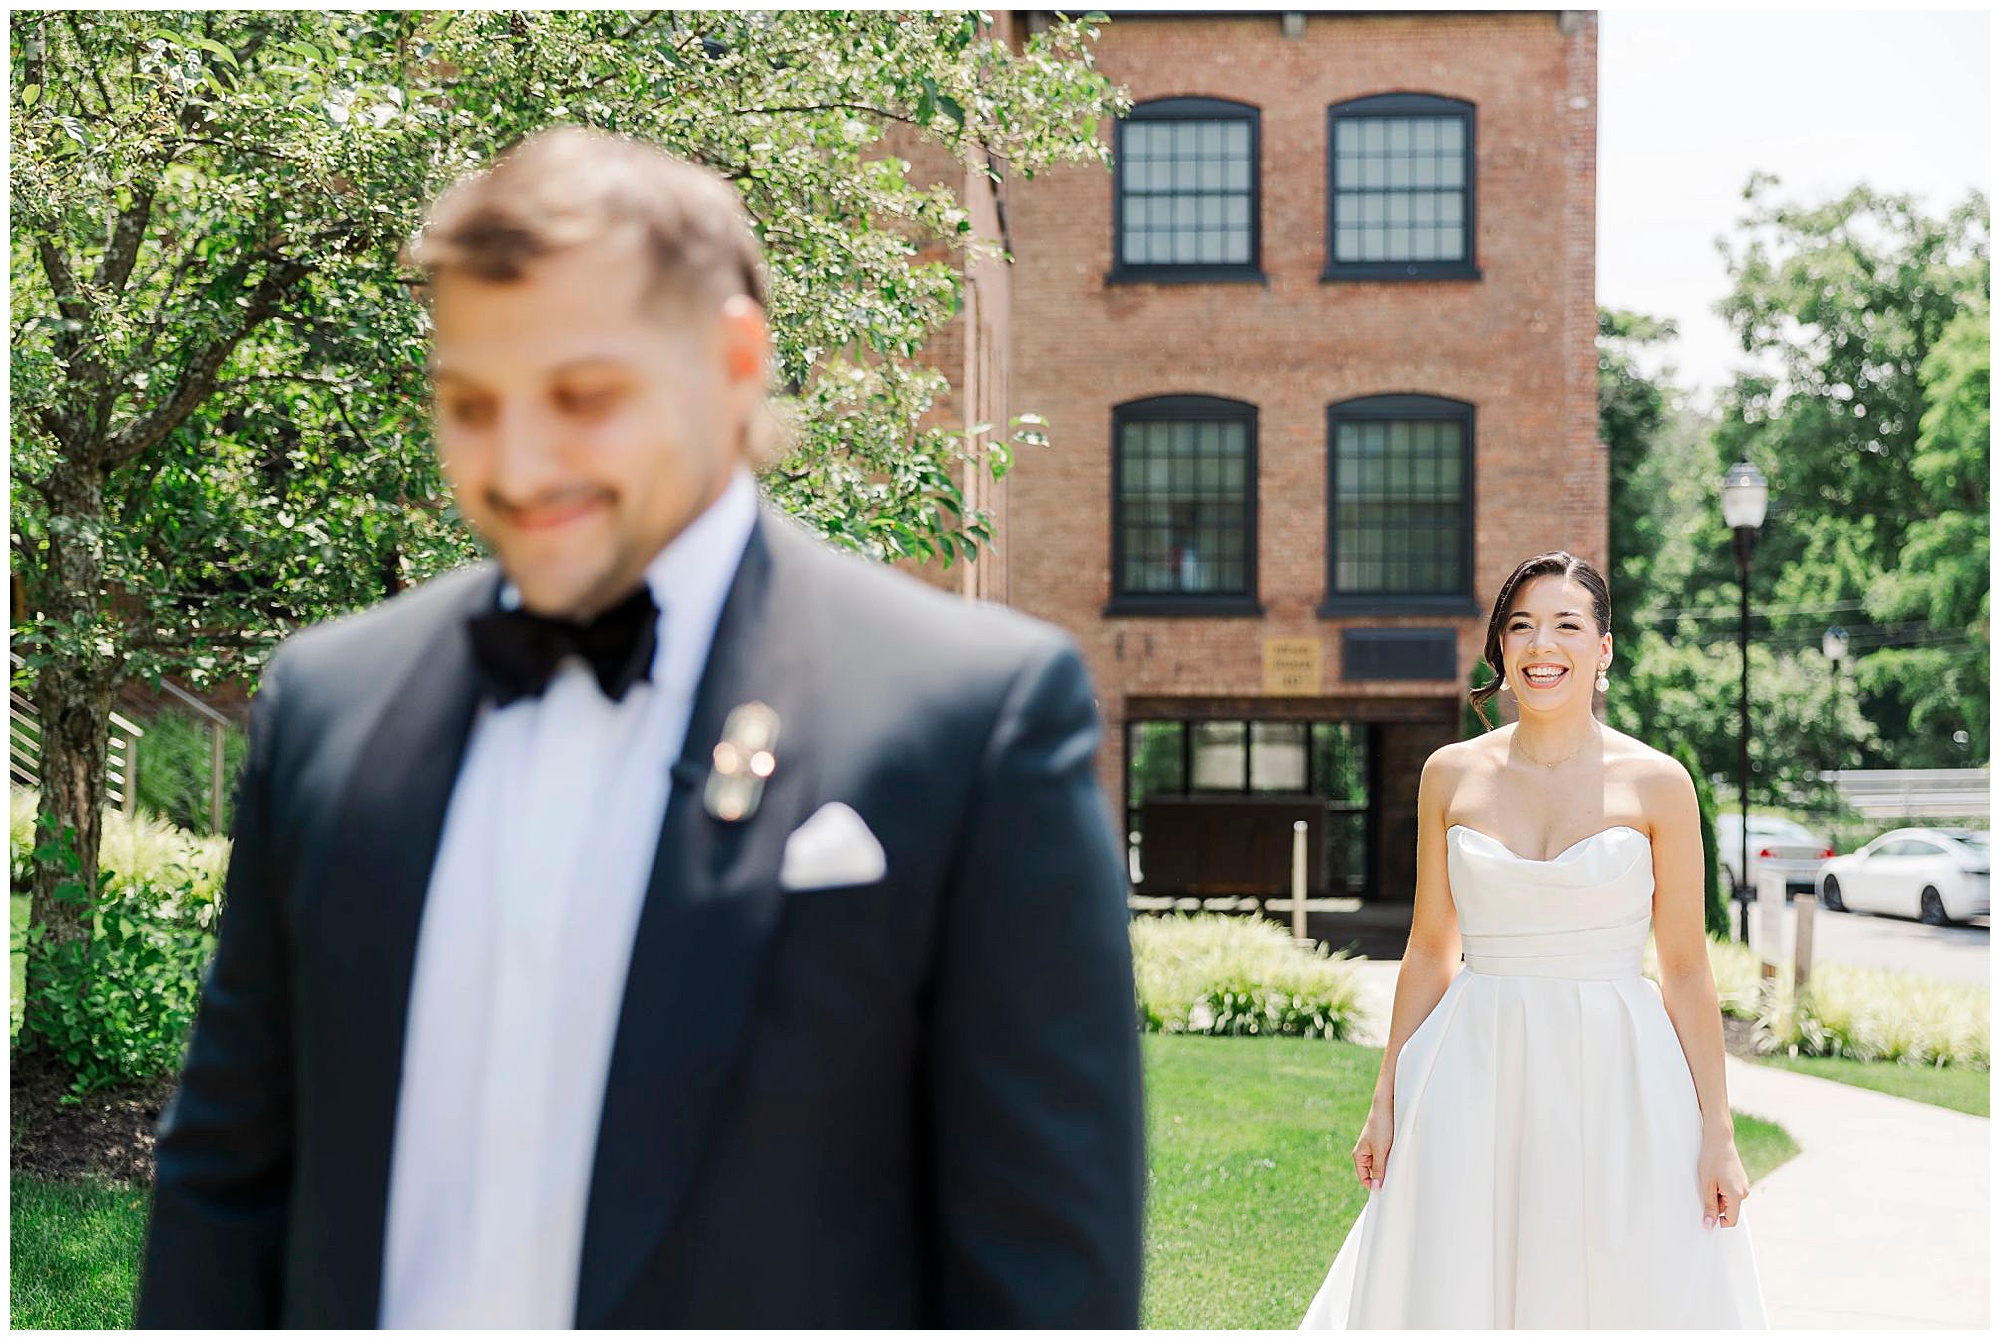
column 1503, row 684
column 1603, row 680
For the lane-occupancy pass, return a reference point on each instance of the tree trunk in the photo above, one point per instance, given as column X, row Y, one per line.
column 76, row 732
column 73, row 696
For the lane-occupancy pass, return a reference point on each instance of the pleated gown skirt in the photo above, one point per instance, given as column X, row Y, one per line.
column 1543, row 1169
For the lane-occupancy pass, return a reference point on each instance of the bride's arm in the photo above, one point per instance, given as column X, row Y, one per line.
column 1430, row 960
column 1687, row 985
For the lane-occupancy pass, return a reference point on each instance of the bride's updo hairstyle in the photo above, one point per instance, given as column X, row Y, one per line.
column 1555, row 563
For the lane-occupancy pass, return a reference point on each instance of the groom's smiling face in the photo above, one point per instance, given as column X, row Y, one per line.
column 584, row 418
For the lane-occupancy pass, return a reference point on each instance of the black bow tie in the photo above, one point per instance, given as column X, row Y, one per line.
column 519, row 651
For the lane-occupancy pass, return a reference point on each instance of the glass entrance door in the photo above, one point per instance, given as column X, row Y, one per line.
column 1323, row 760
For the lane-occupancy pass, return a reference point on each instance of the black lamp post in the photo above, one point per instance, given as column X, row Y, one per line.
column 1745, row 493
column 1834, row 646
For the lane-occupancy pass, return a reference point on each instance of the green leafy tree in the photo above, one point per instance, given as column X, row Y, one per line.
column 1681, row 689
column 1633, row 409
column 1868, row 413
column 1848, row 304
column 217, row 396
column 1941, row 580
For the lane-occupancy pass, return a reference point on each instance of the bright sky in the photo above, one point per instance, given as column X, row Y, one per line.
column 1691, row 102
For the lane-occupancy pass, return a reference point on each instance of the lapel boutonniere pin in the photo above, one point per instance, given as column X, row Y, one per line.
column 743, row 762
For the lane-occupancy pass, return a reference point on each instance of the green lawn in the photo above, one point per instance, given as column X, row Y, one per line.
column 1762, row 1145
column 1960, row 1089
column 1249, row 1196
column 75, row 1254
column 1251, row 1190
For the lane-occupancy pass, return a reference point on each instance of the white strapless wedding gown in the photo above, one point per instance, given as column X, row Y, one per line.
column 1547, row 1132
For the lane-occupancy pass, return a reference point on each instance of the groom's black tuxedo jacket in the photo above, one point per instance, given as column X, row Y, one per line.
column 909, row 1103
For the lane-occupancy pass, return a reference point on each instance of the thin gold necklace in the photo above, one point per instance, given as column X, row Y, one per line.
column 1559, row 762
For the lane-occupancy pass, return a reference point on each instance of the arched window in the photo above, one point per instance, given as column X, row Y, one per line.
column 1185, row 198
column 1399, row 525
column 1184, row 506
column 1401, row 188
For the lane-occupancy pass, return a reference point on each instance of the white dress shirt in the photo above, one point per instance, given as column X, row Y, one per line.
column 521, row 960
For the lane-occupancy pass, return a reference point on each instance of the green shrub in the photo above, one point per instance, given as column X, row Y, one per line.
column 1864, row 1014
column 177, row 769
column 1237, row 976
column 1715, row 907
column 117, row 1005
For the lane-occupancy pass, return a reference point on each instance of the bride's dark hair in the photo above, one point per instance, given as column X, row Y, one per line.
column 1555, row 563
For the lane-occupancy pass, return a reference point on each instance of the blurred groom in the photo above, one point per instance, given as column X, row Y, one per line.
column 677, row 922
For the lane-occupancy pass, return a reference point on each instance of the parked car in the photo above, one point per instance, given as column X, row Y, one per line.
column 1775, row 844
column 1937, row 875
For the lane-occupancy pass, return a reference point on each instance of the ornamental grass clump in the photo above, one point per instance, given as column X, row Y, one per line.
column 1238, row 976
column 137, row 847
column 1863, row 1014
column 1877, row 1014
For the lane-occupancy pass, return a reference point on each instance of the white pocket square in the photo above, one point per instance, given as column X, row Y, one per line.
column 832, row 848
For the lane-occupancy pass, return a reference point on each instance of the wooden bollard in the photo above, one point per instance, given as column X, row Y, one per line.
column 1299, row 881
column 1802, row 942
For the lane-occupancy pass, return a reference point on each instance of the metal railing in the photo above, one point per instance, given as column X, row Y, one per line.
column 24, row 749
column 1915, row 793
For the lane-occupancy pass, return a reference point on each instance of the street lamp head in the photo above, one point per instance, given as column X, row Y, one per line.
column 1744, row 496
column 1834, row 644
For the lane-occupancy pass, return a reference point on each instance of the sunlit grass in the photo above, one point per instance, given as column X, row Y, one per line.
column 74, row 1254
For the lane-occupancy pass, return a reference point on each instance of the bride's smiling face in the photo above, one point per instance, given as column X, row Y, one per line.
column 1552, row 645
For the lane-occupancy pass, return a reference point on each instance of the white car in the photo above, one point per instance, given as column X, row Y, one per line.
column 1775, row 844
column 1937, row 875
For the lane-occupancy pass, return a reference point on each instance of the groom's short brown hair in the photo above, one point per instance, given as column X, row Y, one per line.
column 569, row 185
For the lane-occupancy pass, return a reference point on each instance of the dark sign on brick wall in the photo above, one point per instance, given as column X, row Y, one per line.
column 1399, row 653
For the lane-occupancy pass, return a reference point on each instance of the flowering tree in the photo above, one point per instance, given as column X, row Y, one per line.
column 218, row 426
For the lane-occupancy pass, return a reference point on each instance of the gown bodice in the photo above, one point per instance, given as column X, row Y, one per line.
column 1583, row 913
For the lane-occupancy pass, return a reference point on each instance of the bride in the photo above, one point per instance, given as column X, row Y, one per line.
column 1549, row 1142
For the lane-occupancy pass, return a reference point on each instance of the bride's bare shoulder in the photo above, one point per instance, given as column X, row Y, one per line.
column 1642, row 763
column 1453, row 760
column 1622, row 748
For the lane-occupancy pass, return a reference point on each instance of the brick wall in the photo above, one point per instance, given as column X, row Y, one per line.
column 1518, row 343
column 973, row 351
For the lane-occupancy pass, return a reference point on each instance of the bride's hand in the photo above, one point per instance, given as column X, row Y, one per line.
column 1371, row 1150
column 1723, row 1182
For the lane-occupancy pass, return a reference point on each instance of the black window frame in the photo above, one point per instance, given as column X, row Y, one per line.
column 1208, row 272
column 1402, row 104
column 1408, row 408
column 1172, row 409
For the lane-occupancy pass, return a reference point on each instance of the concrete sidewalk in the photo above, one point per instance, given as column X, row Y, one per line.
column 1880, row 1221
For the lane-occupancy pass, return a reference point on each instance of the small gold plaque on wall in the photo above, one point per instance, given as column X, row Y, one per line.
column 1291, row 665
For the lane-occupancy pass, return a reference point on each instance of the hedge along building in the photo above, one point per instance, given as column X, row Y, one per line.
column 1318, row 360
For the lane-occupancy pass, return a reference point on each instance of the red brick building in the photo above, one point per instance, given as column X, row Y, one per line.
column 1318, row 359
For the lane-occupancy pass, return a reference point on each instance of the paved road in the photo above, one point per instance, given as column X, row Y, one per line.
column 1961, row 953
